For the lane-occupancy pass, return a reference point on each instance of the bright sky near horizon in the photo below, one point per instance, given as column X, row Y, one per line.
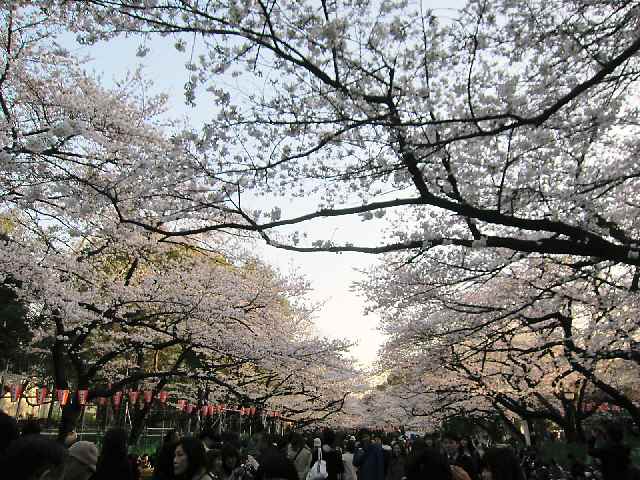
column 331, row 275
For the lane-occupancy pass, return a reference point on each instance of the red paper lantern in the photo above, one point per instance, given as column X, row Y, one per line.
column 41, row 395
column 133, row 396
column 148, row 396
column 204, row 410
column 83, row 395
column 211, row 410
column 63, row 396
column 16, row 392
column 117, row 399
column 182, row 404
column 190, row 408
column 163, row 396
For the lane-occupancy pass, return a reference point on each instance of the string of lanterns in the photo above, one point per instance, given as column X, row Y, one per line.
column 63, row 397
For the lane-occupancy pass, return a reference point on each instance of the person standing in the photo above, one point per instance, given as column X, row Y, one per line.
column 331, row 457
column 299, row 454
column 81, row 461
column 163, row 465
column 114, row 461
column 190, row 460
column 33, row 457
column 397, row 462
column 350, row 472
column 369, row 459
column 613, row 454
column 458, row 457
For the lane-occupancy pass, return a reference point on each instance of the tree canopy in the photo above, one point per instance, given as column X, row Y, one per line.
column 495, row 146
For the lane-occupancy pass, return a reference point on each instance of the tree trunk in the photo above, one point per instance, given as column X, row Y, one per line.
column 515, row 431
column 69, row 418
column 50, row 413
column 137, row 423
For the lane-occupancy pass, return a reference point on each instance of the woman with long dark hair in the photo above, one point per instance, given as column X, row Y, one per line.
column 114, row 461
column 230, row 462
column 163, row 468
column 190, row 460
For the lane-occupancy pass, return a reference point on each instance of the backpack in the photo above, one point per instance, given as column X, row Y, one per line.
column 318, row 470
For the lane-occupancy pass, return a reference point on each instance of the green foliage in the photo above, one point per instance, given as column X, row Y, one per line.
column 14, row 331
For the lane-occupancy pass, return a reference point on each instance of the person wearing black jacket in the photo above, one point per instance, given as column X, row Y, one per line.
column 330, row 455
column 614, row 456
column 458, row 454
column 114, row 462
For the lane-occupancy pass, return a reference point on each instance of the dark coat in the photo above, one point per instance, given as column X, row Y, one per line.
column 370, row 462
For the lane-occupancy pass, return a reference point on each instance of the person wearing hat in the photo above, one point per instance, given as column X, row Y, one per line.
column 81, row 461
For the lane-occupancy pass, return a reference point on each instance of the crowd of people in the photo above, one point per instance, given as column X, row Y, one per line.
column 29, row 455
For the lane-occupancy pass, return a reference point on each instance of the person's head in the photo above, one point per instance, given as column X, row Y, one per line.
column 500, row 464
column 428, row 463
column 81, row 461
column 296, row 440
column 69, row 439
column 163, row 465
column 9, row 431
column 34, row 457
column 214, row 461
column 274, row 465
column 450, row 444
column 262, row 442
column 115, row 443
column 209, row 439
column 466, row 443
column 230, row 458
column 419, row 445
column 350, row 444
column 397, row 449
column 189, row 458
column 171, row 437
column 328, row 437
column 365, row 439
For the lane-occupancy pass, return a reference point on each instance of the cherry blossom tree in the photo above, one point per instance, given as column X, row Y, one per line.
column 108, row 297
column 503, row 126
column 533, row 338
column 476, row 140
column 108, row 318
